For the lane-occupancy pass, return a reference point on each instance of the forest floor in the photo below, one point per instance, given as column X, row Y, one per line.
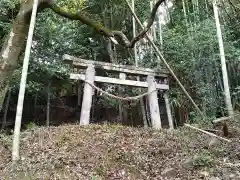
column 116, row 152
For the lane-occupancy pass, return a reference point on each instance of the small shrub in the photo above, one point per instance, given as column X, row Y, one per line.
column 5, row 140
column 203, row 159
column 31, row 126
column 96, row 178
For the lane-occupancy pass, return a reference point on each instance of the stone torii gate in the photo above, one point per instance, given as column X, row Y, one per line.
column 89, row 77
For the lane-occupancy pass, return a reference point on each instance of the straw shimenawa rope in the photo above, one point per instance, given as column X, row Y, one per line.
column 133, row 98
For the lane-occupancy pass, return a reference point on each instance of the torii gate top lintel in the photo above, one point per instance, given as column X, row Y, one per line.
column 80, row 63
column 123, row 70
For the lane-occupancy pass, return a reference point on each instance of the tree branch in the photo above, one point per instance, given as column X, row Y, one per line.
column 235, row 7
column 105, row 31
column 77, row 16
column 149, row 24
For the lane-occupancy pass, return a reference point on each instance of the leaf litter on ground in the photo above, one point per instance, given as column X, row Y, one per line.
column 119, row 152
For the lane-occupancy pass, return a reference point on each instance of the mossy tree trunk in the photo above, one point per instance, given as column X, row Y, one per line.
column 13, row 46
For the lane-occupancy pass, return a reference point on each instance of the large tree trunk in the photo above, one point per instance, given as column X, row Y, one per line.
column 13, row 46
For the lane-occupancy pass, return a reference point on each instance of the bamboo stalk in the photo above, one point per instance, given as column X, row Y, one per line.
column 18, row 120
column 136, row 58
column 224, row 118
column 223, row 61
column 208, row 133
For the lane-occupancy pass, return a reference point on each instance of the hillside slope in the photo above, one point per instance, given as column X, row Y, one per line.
column 117, row 152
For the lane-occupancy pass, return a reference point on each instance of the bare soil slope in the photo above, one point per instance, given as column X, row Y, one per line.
column 116, row 152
